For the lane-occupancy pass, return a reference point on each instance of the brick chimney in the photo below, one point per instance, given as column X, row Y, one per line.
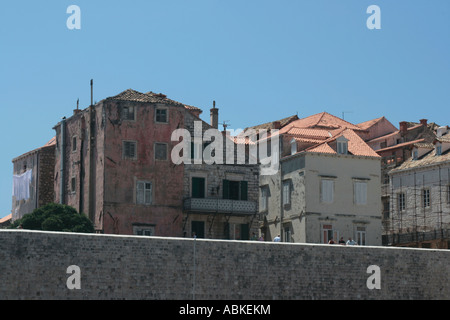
column 403, row 127
column 214, row 116
column 77, row 110
column 423, row 122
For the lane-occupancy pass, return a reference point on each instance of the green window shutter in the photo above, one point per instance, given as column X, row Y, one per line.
column 244, row 190
column 198, row 187
column 226, row 189
column 245, row 232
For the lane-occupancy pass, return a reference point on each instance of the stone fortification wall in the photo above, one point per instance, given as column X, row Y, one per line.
column 51, row 265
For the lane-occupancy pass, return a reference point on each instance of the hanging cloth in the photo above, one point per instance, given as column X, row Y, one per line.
column 21, row 185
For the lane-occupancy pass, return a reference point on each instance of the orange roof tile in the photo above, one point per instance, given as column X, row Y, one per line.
column 322, row 120
column 301, row 139
column 401, row 145
column 136, row 96
column 4, row 219
column 356, row 146
column 310, row 133
column 52, row 142
column 428, row 159
column 270, row 125
column 322, row 148
column 367, row 124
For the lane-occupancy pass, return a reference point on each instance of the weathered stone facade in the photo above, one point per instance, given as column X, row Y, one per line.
column 41, row 162
column 420, row 205
column 295, row 207
column 118, row 167
column 215, row 213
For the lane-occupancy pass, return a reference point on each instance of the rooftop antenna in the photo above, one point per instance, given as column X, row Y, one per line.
column 225, row 125
column 344, row 112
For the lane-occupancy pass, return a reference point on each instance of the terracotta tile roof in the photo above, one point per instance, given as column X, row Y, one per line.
column 428, row 159
column 385, row 136
column 356, row 146
column 424, row 145
column 322, row 148
column 242, row 140
column 151, row 97
column 52, row 142
column 323, row 120
column 319, row 134
column 401, row 145
column 306, row 140
column 427, row 134
column 367, row 124
column 270, row 125
column 131, row 95
column 5, row 219
column 193, row 108
column 444, row 138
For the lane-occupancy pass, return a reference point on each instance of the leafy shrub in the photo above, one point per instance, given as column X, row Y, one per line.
column 55, row 217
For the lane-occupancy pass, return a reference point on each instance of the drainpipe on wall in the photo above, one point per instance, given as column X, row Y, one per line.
column 62, row 186
column 92, row 162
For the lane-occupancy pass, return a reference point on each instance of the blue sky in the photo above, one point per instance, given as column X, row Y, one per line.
column 260, row 60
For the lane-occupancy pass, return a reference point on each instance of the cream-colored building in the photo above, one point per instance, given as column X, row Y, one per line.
column 329, row 190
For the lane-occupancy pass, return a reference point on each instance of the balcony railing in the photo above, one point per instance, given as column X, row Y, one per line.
column 220, row 205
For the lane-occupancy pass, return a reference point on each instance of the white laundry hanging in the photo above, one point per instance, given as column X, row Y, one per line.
column 21, row 185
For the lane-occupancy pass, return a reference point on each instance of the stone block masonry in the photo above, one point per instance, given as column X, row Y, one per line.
column 34, row 265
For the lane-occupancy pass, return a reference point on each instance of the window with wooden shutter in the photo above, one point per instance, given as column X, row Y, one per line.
column 235, row 190
column 128, row 113
column 161, row 116
column 327, row 191
column 360, row 192
column 448, row 194
column 129, row 150
column 198, row 187
column 160, row 151
column 401, row 201
column 143, row 192
column 426, row 198
column 286, row 192
column 226, row 189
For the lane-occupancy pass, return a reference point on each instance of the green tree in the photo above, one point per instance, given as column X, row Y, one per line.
column 55, row 217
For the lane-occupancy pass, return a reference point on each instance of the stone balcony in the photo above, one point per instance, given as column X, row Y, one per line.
column 220, row 206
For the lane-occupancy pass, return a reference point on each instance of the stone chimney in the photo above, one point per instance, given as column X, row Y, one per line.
column 214, row 116
column 423, row 122
column 403, row 127
column 77, row 110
